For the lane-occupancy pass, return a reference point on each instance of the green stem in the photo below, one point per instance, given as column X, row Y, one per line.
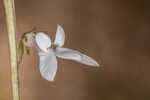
column 11, row 28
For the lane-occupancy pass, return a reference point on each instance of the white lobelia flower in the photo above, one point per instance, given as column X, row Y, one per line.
column 48, row 51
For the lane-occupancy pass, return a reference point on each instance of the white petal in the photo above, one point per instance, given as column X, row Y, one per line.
column 66, row 53
column 60, row 36
column 43, row 41
column 48, row 65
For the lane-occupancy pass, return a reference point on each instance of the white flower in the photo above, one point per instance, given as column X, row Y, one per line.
column 48, row 51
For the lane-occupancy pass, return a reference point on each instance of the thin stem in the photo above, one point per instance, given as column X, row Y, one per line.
column 11, row 28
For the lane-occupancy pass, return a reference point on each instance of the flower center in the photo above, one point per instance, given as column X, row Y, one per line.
column 53, row 46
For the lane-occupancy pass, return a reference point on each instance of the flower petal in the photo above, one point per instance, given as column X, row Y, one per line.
column 66, row 53
column 60, row 36
column 48, row 65
column 43, row 41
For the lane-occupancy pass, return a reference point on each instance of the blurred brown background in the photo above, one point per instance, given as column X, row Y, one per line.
column 114, row 32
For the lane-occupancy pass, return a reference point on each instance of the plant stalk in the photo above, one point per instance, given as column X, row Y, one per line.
column 11, row 29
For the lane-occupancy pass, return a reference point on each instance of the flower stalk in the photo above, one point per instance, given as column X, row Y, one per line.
column 11, row 29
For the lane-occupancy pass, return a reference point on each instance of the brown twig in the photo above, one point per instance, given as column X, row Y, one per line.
column 11, row 28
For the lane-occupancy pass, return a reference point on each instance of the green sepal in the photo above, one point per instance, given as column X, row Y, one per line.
column 20, row 51
column 27, row 50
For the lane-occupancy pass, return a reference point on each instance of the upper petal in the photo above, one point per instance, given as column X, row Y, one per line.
column 60, row 36
column 29, row 40
column 66, row 53
column 43, row 41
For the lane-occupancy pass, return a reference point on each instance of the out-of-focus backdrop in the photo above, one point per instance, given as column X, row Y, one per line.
column 114, row 32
